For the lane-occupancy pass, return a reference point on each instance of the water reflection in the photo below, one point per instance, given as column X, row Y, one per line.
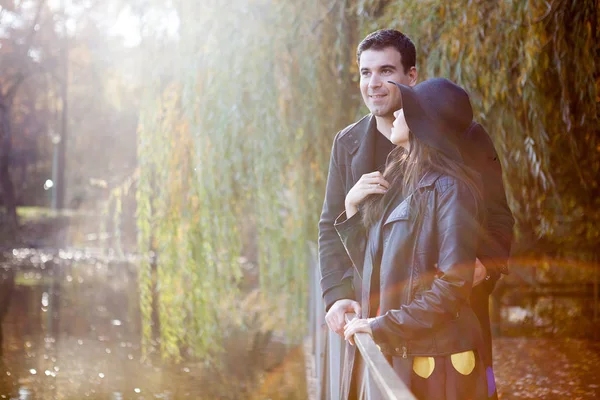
column 24, row 393
column 70, row 330
column 58, row 332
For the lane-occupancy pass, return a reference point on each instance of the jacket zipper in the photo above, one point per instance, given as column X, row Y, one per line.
column 410, row 280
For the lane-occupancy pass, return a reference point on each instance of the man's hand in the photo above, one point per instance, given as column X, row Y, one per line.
column 480, row 273
column 335, row 315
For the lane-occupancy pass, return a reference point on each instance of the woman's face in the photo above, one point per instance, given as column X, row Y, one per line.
column 400, row 131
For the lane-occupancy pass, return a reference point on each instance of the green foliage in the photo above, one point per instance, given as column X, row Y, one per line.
column 531, row 68
column 234, row 142
column 237, row 122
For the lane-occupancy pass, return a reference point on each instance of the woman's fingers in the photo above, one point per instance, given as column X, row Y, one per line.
column 376, row 177
column 362, row 190
column 374, row 189
column 371, row 174
column 378, row 180
column 349, row 329
column 373, row 186
column 355, row 326
column 351, row 340
column 372, row 183
column 349, row 335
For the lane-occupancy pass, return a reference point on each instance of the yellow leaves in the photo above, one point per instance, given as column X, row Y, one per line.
column 455, row 49
column 526, row 78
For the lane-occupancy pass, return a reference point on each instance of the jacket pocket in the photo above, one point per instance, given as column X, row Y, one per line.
column 459, row 334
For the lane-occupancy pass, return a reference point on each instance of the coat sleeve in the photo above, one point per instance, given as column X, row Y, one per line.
column 494, row 248
column 335, row 265
column 457, row 238
column 353, row 235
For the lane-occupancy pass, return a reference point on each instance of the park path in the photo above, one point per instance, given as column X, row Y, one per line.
column 553, row 369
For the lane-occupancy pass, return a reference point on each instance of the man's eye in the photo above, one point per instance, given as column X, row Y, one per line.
column 365, row 73
column 387, row 72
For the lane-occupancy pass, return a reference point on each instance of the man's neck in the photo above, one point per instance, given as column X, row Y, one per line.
column 384, row 125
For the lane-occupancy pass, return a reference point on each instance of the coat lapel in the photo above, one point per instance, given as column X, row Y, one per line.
column 364, row 158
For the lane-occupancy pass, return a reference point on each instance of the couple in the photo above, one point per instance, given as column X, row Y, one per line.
column 415, row 228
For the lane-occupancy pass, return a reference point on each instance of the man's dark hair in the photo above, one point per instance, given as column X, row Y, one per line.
column 384, row 38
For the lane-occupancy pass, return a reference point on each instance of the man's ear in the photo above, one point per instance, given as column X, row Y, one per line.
column 414, row 75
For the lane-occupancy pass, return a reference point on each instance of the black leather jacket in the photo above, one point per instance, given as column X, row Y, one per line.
column 424, row 309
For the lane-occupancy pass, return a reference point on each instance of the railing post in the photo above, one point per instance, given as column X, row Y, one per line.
column 318, row 329
column 336, row 361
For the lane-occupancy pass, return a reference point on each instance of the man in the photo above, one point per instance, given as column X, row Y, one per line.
column 362, row 148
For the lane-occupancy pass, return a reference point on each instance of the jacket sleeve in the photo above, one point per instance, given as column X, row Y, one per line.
column 353, row 235
column 494, row 248
column 335, row 265
column 457, row 237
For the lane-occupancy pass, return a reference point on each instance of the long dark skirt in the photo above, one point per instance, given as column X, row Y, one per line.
column 461, row 376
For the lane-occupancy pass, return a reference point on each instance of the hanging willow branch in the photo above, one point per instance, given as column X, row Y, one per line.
column 233, row 156
column 235, row 139
column 532, row 71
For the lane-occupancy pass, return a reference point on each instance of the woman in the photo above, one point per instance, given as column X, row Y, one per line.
column 418, row 258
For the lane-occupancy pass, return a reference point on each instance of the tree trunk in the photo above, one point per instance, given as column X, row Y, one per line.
column 60, row 184
column 8, row 189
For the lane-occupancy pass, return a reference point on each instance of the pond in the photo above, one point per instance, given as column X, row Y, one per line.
column 71, row 330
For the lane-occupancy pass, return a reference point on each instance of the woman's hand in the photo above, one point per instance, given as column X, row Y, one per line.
column 480, row 273
column 357, row 325
column 368, row 184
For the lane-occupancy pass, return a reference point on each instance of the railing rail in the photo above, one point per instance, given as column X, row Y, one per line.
column 377, row 370
column 376, row 379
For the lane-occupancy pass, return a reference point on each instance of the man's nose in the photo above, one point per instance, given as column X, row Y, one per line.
column 375, row 81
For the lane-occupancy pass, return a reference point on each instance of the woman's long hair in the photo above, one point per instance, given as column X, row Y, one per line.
column 403, row 171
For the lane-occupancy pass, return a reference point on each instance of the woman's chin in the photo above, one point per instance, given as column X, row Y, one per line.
column 401, row 144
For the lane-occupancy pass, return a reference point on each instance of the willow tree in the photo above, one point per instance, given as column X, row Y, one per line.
column 532, row 70
column 234, row 140
column 533, row 73
column 237, row 125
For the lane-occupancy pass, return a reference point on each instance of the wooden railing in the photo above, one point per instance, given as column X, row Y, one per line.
column 376, row 379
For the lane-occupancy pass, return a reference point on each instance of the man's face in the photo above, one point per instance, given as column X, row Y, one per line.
column 377, row 67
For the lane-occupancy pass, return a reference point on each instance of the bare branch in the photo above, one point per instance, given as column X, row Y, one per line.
column 12, row 90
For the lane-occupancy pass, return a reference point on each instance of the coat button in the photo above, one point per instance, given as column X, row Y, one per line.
column 378, row 348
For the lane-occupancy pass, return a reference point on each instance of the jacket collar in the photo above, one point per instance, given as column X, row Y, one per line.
column 355, row 135
column 359, row 141
column 428, row 179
